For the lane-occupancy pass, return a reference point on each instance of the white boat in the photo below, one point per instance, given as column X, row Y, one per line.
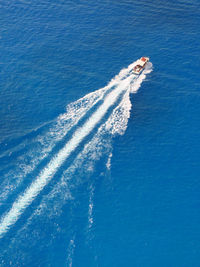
column 140, row 65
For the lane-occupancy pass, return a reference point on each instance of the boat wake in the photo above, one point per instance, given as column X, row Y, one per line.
column 73, row 143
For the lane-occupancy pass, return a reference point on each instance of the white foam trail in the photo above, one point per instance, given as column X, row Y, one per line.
column 92, row 151
column 71, row 249
column 91, row 207
column 47, row 173
column 108, row 163
column 118, row 121
column 45, row 143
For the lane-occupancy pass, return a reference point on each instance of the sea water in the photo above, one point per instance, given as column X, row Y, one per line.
column 99, row 167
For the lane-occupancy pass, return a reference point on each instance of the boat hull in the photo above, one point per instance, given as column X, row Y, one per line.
column 141, row 65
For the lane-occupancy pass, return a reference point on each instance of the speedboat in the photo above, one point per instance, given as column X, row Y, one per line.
column 141, row 63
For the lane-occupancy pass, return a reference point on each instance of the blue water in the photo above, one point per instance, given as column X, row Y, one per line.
column 84, row 188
